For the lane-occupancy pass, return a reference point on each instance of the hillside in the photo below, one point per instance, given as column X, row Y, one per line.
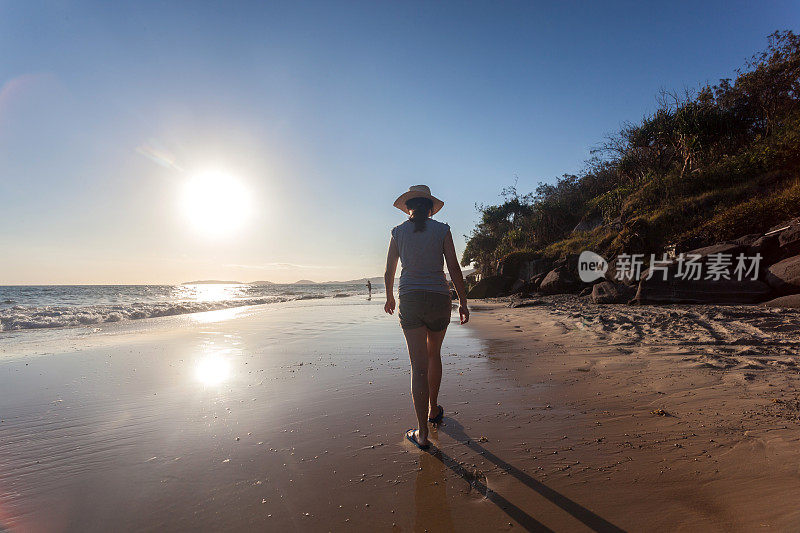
column 707, row 166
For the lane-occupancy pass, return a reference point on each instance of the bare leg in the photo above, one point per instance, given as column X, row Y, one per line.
column 417, row 341
column 435, row 339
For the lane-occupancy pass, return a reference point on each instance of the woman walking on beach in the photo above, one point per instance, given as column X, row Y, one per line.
column 423, row 245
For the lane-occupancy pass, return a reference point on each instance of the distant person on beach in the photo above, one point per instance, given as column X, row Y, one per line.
column 369, row 287
column 423, row 245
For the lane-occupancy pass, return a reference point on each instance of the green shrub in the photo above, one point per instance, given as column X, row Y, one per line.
column 711, row 166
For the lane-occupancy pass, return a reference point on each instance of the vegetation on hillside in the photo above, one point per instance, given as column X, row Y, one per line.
column 707, row 166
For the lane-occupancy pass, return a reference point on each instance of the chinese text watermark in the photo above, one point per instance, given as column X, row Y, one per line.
column 694, row 267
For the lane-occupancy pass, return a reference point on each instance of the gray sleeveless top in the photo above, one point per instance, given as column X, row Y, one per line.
column 422, row 257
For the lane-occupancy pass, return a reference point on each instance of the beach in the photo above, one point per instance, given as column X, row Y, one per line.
column 279, row 416
column 673, row 417
column 291, row 415
column 208, row 211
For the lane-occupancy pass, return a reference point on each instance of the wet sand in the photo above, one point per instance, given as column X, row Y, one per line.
column 286, row 417
column 291, row 417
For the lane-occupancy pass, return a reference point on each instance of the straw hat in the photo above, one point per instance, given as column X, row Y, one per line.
column 418, row 191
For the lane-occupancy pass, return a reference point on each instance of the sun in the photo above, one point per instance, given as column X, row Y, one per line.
column 215, row 203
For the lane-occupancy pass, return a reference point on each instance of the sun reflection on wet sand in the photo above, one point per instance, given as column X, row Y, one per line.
column 213, row 369
column 218, row 315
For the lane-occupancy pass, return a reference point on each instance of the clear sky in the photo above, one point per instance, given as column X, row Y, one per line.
column 320, row 113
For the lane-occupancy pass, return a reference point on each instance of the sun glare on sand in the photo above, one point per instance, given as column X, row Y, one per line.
column 213, row 369
column 215, row 203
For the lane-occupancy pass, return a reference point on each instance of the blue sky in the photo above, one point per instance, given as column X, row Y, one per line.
column 324, row 112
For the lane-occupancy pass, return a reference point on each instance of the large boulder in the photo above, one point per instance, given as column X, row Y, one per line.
column 792, row 300
column 611, row 273
column 516, row 286
column 678, row 290
column 523, row 287
column 536, row 281
column 569, row 262
column 784, row 276
column 609, row 292
column 768, row 248
column 726, row 248
column 789, row 241
column 489, row 287
column 523, row 265
column 559, row 281
column 783, row 240
column 534, row 267
column 658, row 274
column 747, row 240
column 730, row 251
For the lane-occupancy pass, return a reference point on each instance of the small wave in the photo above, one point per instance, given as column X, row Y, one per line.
column 9, row 302
column 310, row 297
column 341, row 294
column 20, row 317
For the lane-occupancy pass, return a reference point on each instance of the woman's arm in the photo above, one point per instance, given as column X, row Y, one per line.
column 456, row 276
column 388, row 277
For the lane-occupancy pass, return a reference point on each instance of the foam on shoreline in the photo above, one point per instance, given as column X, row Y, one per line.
column 21, row 317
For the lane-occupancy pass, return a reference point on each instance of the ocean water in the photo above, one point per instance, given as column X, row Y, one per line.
column 63, row 306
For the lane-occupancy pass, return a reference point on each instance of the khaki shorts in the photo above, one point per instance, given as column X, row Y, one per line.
column 425, row 308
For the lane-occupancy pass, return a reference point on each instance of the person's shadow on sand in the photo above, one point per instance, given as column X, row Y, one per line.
column 456, row 431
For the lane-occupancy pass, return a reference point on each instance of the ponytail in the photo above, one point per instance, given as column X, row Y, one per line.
column 420, row 209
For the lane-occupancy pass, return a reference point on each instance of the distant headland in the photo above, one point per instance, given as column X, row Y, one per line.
column 211, row 282
column 374, row 280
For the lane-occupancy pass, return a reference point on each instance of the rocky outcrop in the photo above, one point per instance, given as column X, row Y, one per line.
column 559, row 281
column 747, row 240
column 611, row 273
column 777, row 273
column 784, row 276
column 523, row 266
column 609, row 292
column 534, row 267
column 702, row 291
column 727, row 248
column 489, row 287
column 767, row 247
column 789, row 241
column 792, row 300
column 536, row 281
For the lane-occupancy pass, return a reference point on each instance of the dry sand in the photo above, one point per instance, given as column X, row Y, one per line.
column 291, row 417
column 680, row 417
